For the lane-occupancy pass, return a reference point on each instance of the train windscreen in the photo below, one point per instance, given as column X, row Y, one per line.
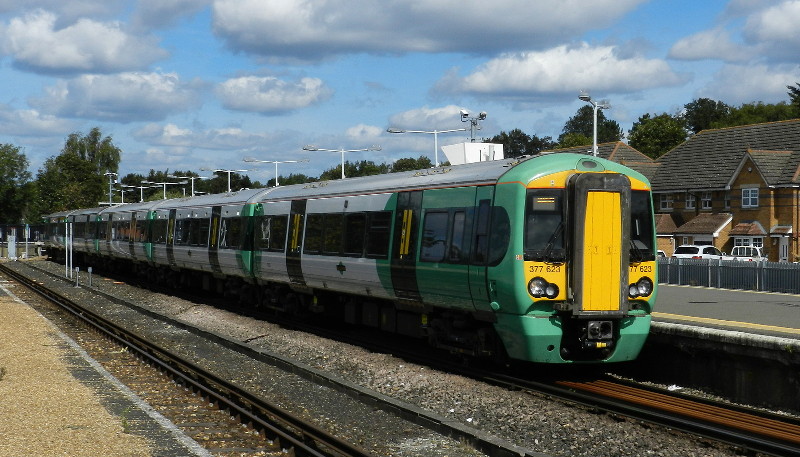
column 544, row 226
column 642, row 248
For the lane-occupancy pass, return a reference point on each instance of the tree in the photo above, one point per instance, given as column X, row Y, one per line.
column 703, row 113
column 69, row 182
column 794, row 98
column 653, row 136
column 583, row 123
column 517, row 143
column 571, row 140
column 15, row 186
column 409, row 164
column 94, row 148
column 756, row 113
column 354, row 169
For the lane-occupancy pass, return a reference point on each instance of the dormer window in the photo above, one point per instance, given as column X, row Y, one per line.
column 691, row 200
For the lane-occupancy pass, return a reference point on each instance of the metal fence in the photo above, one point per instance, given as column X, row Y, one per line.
column 731, row 274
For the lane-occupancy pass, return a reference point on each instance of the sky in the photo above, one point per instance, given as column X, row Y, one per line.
column 191, row 84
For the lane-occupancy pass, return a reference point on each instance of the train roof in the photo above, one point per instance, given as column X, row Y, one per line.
column 443, row 176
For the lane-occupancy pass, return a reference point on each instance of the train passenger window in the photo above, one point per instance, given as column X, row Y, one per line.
column 642, row 248
column 544, row 226
column 159, row 231
column 271, row 233
column 456, row 252
column 481, row 247
column 434, row 237
column 202, row 231
column 312, row 243
column 332, row 233
column 378, row 234
column 182, row 232
column 355, row 226
column 230, row 232
column 499, row 236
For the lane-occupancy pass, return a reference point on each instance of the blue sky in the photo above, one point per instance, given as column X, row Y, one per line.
column 185, row 84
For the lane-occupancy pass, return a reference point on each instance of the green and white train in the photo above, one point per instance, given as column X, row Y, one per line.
column 549, row 258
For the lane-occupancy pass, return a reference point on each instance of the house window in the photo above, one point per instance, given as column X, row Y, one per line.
column 666, row 201
column 750, row 198
column 756, row 241
column 727, row 199
column 691, row 200
column 705, row 200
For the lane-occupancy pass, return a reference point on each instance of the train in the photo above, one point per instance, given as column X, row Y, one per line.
column 547, row 258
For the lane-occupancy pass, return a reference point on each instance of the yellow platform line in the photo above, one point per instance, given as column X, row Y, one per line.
column 707, row 320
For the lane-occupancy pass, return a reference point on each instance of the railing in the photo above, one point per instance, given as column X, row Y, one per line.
column 731, row 274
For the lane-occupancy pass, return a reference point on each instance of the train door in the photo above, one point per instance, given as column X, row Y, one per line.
column 403, row 259
column 213, row 240
column 295, row 242
column 478, row 286
column 601, row 240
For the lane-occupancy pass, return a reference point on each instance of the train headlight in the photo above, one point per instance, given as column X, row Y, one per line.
column 641, row 288
column 551, row 291
column 536, row 286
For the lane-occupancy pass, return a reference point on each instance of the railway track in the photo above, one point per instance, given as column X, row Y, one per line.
column 272, row 430
column 777, row 435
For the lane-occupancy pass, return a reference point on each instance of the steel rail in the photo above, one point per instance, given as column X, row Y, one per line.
column 272, row 420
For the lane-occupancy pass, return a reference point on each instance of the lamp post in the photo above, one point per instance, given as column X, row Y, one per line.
column 111, row 180
column 342, row 151
column 192, row 178
column 219, row 170
column 165, row 184
column 473, row 122
column 435, row 137
column 584, row 96
column 276, row 162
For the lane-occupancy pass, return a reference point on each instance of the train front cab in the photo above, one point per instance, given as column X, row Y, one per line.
column 587, row 275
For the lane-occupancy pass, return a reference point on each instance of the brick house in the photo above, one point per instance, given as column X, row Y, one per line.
column 737, row 186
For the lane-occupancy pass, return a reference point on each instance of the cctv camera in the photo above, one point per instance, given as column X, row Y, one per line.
column 482, row 116
column 464, row 113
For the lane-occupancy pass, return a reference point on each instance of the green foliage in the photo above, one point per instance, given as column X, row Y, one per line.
column 583, row 123
column 353, row 169
column 702, row 113
column 794, row 98
column 756, row 113
column 67, row 182
column 517, row 143
column 409, row 164
column 570, row 140
column 94, row 148
column 653, row 136
column 16, row 190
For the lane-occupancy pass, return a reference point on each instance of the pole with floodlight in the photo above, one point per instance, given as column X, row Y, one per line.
column 111, row 180
column 225, row 171
column 165, row 184
column 473, row 122
column 276, row 162
column 192, row 178
column 342, row 151
column 604, row 104
column 435, row 137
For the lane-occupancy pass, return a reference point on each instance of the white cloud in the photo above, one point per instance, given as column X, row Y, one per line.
column 711, row 44
column 270, row 95
column 562, row 70
column 775, row 28
column 316, row 29
column 123, row 97
column 35, row 43
column 425, row 118
column 230, row 138
column 29, row 122
column 736, row 84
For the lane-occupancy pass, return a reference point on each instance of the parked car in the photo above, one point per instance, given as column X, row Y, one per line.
column 661, row 253
column 695, row 251
column 747, row 253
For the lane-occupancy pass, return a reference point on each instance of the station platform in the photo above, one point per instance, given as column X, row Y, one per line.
column 59, row 401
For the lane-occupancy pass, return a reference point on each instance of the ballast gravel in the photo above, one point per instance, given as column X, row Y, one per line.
column 533, row 422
